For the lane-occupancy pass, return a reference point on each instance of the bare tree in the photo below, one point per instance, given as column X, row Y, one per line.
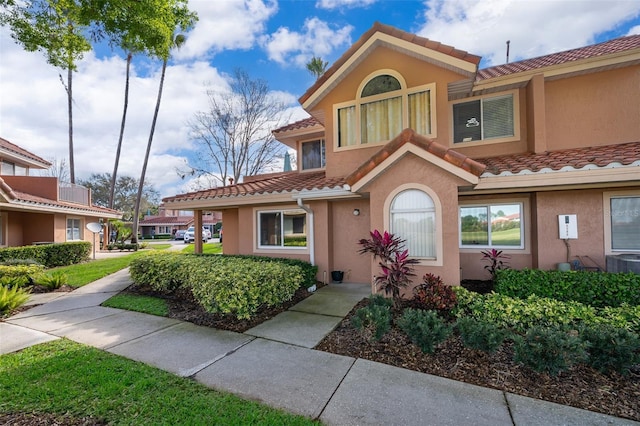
column 234, row 136
column 58, row 169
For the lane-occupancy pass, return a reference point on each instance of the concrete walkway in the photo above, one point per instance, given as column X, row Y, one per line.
column 274, row 362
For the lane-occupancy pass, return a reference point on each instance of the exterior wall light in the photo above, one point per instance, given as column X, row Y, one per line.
column 356, row 212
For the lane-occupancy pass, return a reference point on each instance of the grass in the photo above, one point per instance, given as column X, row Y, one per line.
column 63, row 377
column 84, row 273
column 209, row 248
column 144, row 304
column 509, row 237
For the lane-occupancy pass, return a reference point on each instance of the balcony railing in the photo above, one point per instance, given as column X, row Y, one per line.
column 73, row 193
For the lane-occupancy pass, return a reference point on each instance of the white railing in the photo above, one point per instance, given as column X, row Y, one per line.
column 73, row 193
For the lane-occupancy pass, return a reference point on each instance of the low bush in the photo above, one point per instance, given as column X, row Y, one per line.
column 425, row 328
column 123, row 246
column 309, row 271
column 480, row 335
column 522, row 314
column 373, row 320
column 20, row 275
column 54, row 280
column 590, row 288
column 50, row 255
column 611, row 348
column 12, row 297
column 549, row 350
column 434, row 294
column 164, row 272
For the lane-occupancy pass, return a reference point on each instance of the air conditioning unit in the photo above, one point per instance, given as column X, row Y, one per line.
column 623, row 263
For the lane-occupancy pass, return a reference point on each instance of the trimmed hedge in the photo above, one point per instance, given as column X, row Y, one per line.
column 20, row 274
column 521, row 314
column 309, row 271
column 594, row 289
column 50, row 255
column 224, row 284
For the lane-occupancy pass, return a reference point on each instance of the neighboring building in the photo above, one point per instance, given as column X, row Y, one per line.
column 38, row 209
column 497, row 158
column 167, row 222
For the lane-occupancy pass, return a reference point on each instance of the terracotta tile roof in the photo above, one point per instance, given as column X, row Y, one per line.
column 271, row 184
column 24, row 199
column 606, row 48
column 22, row 152
column 301, row 124
column 394, row 32
column 577, row 158
column 167, row 220
column 410, row 136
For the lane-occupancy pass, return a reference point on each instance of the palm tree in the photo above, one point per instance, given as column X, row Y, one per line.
column 178, row 41
column 114, row 175
column 317, row 66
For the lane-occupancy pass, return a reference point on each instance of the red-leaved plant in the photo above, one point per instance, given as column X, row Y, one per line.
column 434, row 294
column 497, row 261
column 394, row 262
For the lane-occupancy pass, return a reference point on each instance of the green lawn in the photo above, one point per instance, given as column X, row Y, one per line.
column 209, row 248
column 63, row 377
column 144, row 304
column 509, row 237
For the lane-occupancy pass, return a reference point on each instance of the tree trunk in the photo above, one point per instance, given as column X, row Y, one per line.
column 136, row 212
column 114, row 175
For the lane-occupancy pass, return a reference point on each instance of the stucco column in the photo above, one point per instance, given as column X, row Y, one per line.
column 197, row 230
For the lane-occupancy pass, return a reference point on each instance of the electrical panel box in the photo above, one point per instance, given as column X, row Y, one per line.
column 568, row 226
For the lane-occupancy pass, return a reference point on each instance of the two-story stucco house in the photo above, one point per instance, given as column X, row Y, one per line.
column 39, row 209
column 408, row 135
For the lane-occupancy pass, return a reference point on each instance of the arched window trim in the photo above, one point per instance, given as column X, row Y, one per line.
column 438, row 261
column 403, row 93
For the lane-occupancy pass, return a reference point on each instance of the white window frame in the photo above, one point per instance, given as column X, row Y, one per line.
column 403, row 93
column 80, row 229
column 608, row 237
column 523, row 248
column 281, row 247
column 515, row 94
column 438, row 259
column 323, row 159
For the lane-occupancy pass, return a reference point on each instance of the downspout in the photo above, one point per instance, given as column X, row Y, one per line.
column 311, row 237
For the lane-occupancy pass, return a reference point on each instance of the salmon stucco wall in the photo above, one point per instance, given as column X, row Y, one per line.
column 348, row 229
column 411, row 170
column 230, row 235
column 587, row 205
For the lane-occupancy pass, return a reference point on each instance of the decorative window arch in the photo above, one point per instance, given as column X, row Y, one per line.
column 414, row 213
column 383, row 106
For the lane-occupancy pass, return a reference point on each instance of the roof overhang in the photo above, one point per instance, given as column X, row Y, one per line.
column 27, row 206
column 291, row 137
column 380, row 39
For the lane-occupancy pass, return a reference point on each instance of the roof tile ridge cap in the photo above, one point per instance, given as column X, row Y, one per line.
column 6, row 188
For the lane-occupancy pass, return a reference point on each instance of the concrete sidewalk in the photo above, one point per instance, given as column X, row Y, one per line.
column 274, row 363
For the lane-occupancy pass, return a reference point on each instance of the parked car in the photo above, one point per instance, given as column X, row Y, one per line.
column 179, row 235
column 190, row 235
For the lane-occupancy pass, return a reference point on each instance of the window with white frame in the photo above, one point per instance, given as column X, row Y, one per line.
column 412, row 217
column 313, row 154
column 625, row 223
column 74, row 228
column 382, row 109
column 485, row 118
column 492, row 226
column 282, row 229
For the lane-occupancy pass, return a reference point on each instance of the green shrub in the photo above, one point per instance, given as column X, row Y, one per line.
column 123, row 246
column 434, row 294
column 12, row 298
column 425, row 328
column 380, row 300
column 611, row 348
column 373, row 320
column 162, row 271
column 241, row 286
column 50, row 255
column 309, row 271
column 16, row 262
column 20, row 275
column 549, row 350
column 53, row 280
column 594, row 289
column 480, row 335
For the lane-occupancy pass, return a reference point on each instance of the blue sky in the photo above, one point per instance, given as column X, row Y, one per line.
column 270, row 40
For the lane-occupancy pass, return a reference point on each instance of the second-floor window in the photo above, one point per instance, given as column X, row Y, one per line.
column 383, row 107
column 485, row 118
column 313, row 154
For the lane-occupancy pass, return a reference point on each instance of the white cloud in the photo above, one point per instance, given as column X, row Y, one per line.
column 337, row 4
column 317, row 38
column 634, row 30
column 226, row 25
column 534, row 27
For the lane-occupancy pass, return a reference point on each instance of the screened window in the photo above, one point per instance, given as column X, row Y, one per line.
column 74, row 229
column 625, row 223
column 284, row 228
column 313, row 155
column 382, row 109
column 412, row 218
column 481, row 119
column 7, row 168
column 495, row 225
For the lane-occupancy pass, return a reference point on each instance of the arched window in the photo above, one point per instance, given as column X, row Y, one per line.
column 412, row 217
column 382, row 108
